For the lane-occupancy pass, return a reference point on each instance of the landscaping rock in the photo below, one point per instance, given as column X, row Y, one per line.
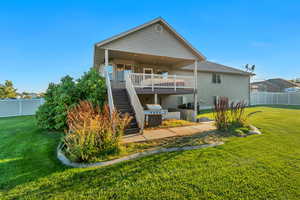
column 254, row 130
column 64, row 160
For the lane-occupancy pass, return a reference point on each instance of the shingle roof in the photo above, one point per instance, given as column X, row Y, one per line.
column 274, row 85
column 208, row 66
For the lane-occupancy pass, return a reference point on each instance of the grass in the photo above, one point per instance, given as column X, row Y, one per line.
column 256, row 167
column 190, row 140
column 169, row 123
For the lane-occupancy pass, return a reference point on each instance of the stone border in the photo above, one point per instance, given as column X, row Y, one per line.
column 64, row 160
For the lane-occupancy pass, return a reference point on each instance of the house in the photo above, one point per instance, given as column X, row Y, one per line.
column 274, row 85
column 153, row 64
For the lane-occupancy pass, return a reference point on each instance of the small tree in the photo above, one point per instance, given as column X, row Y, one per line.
column 58, row 99
column 7, row 90
column 66, row 94
column 91, row 87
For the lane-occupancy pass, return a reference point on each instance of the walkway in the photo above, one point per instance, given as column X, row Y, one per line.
column 153, row 134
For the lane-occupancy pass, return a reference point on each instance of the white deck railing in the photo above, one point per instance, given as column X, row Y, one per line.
column 135, row 102
column 109, row 93
column 140, row 80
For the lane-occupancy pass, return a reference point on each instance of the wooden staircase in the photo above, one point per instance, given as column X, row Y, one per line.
column 123, row 105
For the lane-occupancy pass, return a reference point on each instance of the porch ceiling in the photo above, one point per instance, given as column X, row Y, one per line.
column 146, row 58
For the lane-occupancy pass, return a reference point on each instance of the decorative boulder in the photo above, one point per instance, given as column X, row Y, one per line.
column 254, row 130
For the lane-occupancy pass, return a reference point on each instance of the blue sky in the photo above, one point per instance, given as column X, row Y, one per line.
column 42, row 41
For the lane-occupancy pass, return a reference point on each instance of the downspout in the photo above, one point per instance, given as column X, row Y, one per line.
column 249, row 90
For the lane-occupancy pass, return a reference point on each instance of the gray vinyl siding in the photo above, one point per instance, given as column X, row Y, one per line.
column 150, row 41
column 235, row 87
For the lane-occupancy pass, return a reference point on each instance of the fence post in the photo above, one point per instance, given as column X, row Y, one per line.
column 266, row 98
column 289, row 99
column 20, row 106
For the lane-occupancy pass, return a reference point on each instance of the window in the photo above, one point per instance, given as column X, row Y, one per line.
column 179, row 100
column 148, row 71
column 216, row 78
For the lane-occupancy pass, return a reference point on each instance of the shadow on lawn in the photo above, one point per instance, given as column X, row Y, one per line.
column 102, row 178
column 295, row 107
column 27, row 153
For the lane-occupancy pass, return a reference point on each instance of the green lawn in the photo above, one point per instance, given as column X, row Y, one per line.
column 257, row 167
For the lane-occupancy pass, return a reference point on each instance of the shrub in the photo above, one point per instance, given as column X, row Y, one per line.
column 221, row 114
column 92, row 87
column 237, row 113
column 93, row 133
column 58, row 99
column 228, row 116
column 66, row 94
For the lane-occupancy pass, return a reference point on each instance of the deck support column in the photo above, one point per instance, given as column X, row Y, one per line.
column 155, row 98
column 106, row 57
column 195, row 90
column 106, row 61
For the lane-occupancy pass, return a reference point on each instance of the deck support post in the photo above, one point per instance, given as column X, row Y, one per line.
column 106, row 61
column 195, row 90
column 106, row 57
column 155, row 98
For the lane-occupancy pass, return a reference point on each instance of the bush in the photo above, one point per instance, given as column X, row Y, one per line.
column 93, row 133
column 58, row 99
column 221, row 114
column 92, row 87
column 237, row 113
column 66, row 94
column 228, row 116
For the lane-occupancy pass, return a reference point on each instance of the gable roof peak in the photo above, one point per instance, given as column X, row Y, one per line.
column 155, row 20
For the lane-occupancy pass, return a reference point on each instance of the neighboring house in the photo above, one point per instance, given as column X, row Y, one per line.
column 274, row 85
column 152, row 63
column 292, row 89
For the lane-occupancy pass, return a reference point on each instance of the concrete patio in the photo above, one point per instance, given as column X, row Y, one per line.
column 153, row 134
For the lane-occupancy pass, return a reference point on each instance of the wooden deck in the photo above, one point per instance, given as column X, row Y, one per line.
column 164, row 91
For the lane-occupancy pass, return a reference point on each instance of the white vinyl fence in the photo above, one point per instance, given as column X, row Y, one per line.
column 283, row 98
column 19, row 107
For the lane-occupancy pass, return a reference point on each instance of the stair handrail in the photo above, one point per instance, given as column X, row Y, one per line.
column 109, row 93
column 135, row 102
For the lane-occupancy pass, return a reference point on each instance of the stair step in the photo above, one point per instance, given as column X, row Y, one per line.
column 131, row 114
column 123, row 109
column 132, row 124
column 132, row 130
column 122, row 101
column 123, row 105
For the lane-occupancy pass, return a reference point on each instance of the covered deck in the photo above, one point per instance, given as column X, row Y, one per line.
column 162, row 83
column 150, row 74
